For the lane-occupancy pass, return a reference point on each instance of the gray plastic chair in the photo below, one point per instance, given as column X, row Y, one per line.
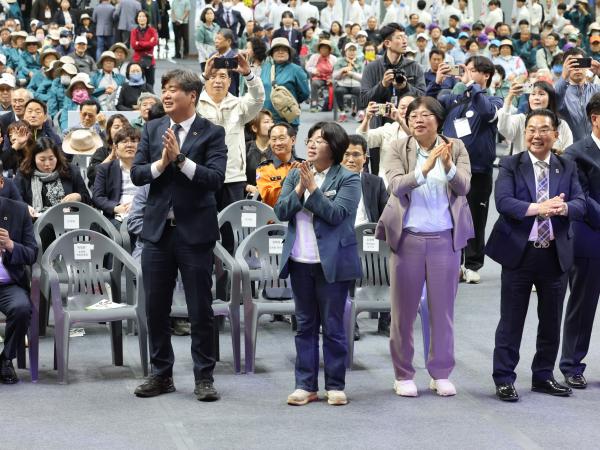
column 88, row 281
column 372, row 292
column 262, row 248
column 62, row 218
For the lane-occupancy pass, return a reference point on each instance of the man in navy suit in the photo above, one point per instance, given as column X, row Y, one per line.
column 538, row 196
column 227, row 17
column 183, row 157
column 584, row 280
column 293, row 36
column 18, row 249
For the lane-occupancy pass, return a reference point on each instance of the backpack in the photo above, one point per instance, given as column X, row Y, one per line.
column 283, row 101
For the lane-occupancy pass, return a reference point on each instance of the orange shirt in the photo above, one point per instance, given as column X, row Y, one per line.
column 269, row 178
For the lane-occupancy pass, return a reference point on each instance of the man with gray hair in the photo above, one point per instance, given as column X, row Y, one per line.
column 145, row 102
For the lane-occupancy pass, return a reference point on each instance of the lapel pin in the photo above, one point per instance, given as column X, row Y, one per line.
column 557, row 171
column 195, row 133
column 6, row 218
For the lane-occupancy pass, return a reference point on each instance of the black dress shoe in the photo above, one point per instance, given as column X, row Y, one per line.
column 551, row 387
column 155, row 385
column 507, row 392
column 206, row 392
column 356, row 332
column 383, row 326
column 7, row 372
column 576, row 381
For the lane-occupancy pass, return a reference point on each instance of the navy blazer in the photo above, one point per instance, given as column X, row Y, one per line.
column 193, row 201
column 334, row 207
column 106, row 191
column 515, row 190
column 9, row 190
column 15, row 218
column 586, row 154
column 238, row 24
column 295, row 43
column 374, row 195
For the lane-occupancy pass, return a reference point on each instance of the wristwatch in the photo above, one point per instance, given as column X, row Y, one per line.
column 179, row 159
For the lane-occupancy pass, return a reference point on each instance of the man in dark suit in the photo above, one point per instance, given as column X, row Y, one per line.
column 227, row 17
column 583, row 278
column 18, row 249
column 293, row 36
column 372, row 202
column 538, row 196
column 8, row 189
column 183, row 157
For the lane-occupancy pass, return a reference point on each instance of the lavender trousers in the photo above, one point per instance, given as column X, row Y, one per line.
column 423, row 258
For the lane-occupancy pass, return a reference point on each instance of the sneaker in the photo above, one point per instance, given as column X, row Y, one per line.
column 205, row 391
column 336, row 398
column 405, row 388
column 471, row 276
column 301, row 397
column 360, row 116
column 342, row 118
column 443, row 387
column 7, row 371
column 181, row 327
column 155, row 385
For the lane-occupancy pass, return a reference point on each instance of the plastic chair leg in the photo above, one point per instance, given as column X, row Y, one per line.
column 116, row 338
column 251, row 336
column 61, row 340
column 143, row 343
column 424, row 312
column 234, row 322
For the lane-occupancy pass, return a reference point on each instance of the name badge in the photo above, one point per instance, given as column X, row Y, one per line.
column 330, row 193
column 462, row 127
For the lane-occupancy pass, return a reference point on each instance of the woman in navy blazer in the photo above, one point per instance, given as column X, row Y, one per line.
column 319, row 200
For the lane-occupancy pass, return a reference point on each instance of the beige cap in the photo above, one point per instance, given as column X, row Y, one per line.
column 81, row 142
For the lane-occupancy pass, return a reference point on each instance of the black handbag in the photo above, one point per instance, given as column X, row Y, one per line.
column 146, row 61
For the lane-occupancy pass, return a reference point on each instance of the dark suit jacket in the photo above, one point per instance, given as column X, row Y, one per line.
column 296, row 41
column 238, row 23
column 374, row 195
column 334, row 208
column 515, row 191
column 5, row 120
column 59, row 17
column 10, row 191
column 586, row 155
column 193, row 201
column 15, row 218
column 106, row 191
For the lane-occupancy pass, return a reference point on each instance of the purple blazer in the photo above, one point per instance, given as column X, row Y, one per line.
column 400, row 162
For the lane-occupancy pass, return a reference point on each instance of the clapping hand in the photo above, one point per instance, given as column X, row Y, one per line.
column 307, row 177
column 553, row 207
column 6, row 242
column 442, row 151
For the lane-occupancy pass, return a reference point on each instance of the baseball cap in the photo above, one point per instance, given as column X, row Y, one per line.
column 451, row 41
column 362, row 33
column 463, row 35
column 422, row 36
column 494, row 43
column 7, row 80
column 81, row 40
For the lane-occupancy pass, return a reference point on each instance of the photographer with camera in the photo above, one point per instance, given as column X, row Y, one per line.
column 472, row 116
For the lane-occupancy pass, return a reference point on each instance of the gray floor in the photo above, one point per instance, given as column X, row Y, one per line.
column 98, row 410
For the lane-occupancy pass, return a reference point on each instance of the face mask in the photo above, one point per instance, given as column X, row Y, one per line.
column 370, row 55
column 496, row 79
column 135, row 77
column 80, row 95
column 65, row 80
column 63, row 41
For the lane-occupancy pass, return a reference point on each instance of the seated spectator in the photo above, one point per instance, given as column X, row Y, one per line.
column 320, row 69
column 79, row 91
column 30, row 61
column 42, row 77
column 46, row 179
column 258, row 150
column 62, row 79
column 106, row 81
column 18, row 98
column 8, row 189
column 14, row 52
column 36, row 115
column 107, row 152
column 91, row 118
column 513, row 65
column 145, row 102
column 347, row 74
column 132, row 88
column 65, row 43
column 512, row 125
column 113, row 190
column 121, row 52
column 271, row 173
column 19, row 138
column 83, row 61
column 7, row 85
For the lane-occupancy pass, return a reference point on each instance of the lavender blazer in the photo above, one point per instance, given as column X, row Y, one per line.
column 400, row 162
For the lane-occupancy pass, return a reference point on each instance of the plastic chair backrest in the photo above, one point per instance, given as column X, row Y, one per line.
column 374, row 257
column 245, row 216
column 259, row 255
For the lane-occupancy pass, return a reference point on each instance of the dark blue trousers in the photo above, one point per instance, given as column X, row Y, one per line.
column 15, row 305
column 319, row 304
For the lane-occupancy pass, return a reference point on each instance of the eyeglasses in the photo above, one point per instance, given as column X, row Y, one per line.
column 353, row 155
column 424, row 116
column 540, row 131
column 310, row 142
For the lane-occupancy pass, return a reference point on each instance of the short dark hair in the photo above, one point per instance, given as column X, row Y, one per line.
column 421, row 4
column 335, row 136
column 482, row 65
column 554, row 35
column 128, row 70
column 413, row 14
column 39, row 102
column 126, row 133
column 561, row 6
column 357, row 139
column 574, row 51
column 524, row 21
column 544, row 113
column 593, row 106
column 227, row 34
column 291, row 131
column 156, row 111
column 90, row 102
column 436, row 51
column 203, row 13
column 455, row 17
column 109, row 124
column 187, row 80
column 389, row 29
column 289, row 14
column 432, row 105
column 259, row 48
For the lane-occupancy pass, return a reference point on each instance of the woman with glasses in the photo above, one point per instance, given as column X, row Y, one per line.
column 319, row 200
column 426, row 223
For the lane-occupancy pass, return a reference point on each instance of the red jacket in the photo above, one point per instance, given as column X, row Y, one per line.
column 143, row 43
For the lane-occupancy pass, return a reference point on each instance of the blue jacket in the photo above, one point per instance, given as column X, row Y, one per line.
column 68, row 105
column 515, row 191
column 29, row 63
column 96, row 77
column 572, row 100
column 334, row 207
column 13, row 57
column 289, row 75
column 64, row 51
column 586, row 155
column 36, row 81
column 481, row 111
column 56, row 97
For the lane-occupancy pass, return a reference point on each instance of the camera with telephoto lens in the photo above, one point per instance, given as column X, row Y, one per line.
column 399, row 74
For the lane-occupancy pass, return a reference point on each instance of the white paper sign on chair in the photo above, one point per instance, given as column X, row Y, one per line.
column 275, row 246
column 370, row 244
column 82, row 251
column 249, row 220
column 71, row 221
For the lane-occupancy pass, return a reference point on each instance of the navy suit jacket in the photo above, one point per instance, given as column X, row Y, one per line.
column 15, row 218
column 586, row 154
column 296, row 42
column 10, row 191
column 515, row 190
column 374, row 194
column 106, row 191
column 334, row 207
column 238, row 24
column 193, row 201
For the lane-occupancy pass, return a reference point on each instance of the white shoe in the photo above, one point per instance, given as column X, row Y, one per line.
column 336, row 398
column 445, row 388
column 405, row 388
column 471, row 276
column 301, row 397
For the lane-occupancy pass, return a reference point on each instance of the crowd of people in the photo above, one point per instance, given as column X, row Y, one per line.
column 432, row 91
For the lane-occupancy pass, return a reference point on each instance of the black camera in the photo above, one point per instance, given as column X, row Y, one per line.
column 399, row 74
